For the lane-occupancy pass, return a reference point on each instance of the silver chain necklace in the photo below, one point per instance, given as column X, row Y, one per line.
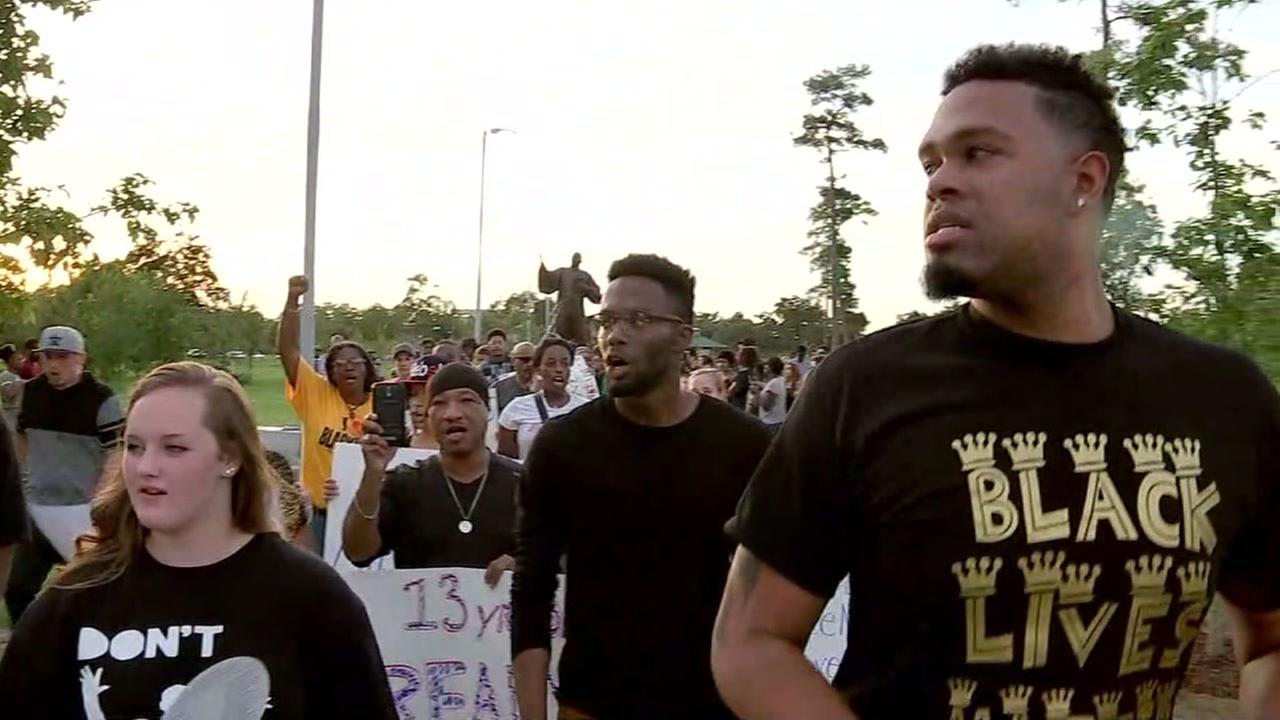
column 464, row 525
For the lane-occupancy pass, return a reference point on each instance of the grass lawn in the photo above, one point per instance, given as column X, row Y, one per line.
column 265, row 389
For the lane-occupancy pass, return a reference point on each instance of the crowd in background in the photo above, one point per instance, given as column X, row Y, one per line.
column 764, row 388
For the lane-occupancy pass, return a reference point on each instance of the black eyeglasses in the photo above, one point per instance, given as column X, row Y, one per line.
column 634, row 318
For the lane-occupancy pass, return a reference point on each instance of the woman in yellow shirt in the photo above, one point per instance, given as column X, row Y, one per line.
column 330, row 408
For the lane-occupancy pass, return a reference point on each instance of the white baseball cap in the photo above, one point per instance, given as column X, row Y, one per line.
column 61, row 338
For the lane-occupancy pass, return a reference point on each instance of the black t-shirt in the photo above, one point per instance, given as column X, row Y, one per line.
column 418, row 518
column 1028, row 526
column 271, row 623
column 638, row 512
column 741, row 388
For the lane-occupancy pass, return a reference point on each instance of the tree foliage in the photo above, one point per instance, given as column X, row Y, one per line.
column 1131, row 240
column 1188, row 86
column 39, row 232
column 830, row 129
column 522, row 315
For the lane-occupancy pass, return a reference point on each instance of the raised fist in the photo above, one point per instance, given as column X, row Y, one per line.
column 298, row 286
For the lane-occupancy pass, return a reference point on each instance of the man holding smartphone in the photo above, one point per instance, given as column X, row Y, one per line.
column 456, row 509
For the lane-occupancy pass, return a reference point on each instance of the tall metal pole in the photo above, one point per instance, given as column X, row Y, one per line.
column 307, row 341
column 484, row 148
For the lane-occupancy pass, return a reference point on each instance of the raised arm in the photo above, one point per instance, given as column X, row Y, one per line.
column 361, row 528
column 548, row 280
column 290, row 327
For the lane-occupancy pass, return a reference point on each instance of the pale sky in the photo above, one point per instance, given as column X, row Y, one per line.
column 659, row 126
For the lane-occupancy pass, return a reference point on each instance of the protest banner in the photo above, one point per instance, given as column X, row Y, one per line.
column 828, row 639
column 445, row 636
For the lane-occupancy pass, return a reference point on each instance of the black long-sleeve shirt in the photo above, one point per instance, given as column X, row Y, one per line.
column 639, row 513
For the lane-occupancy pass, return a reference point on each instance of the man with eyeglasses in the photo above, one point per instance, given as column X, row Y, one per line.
column 633, row 490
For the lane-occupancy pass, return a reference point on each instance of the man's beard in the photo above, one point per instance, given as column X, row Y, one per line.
column 944, row 281
column 638, row 383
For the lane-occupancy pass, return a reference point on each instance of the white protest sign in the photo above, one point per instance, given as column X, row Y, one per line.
column 348, row 467
column 830, row 634
column 61, row 524
column 445, row 639
column 445, row 636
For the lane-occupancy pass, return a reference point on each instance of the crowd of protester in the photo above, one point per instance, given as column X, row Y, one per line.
column 702, row 509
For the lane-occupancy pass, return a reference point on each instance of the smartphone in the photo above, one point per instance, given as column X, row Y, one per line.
column 391, row 405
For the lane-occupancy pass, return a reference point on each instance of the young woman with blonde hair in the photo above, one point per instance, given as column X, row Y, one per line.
column 185, row 596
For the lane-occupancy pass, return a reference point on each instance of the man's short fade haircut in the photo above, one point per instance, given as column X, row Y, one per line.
column 1070, row 96
column 677, row 281
column 496, row 332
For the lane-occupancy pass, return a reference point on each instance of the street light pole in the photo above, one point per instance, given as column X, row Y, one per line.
column 307, row 339
column 484, row 151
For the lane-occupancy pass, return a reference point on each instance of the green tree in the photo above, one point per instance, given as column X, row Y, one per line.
column 830, row 129
column 37, row 230
column 727, row 330
column 425, row 312
column 131, row 321
column 1188, row 84
column 180, row 261
column 523, row 315
column 799, row 320
column 1130, row 243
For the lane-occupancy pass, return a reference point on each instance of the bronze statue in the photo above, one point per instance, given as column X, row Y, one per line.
column 572, row 285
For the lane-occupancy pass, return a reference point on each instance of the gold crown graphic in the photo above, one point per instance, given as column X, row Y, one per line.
column 1016, row 699
column 1147, row 452
column 961, row 692
column 1026, row 450
column 1146, row 700
column 1088, row 451
column 1043, row 573
column 1077, row 583
column 1186, row 457
column 1195, row 580
column 1149, row 573
column 977, row 576
column 1057, row 703
column 1108, row 705
column 976, row 451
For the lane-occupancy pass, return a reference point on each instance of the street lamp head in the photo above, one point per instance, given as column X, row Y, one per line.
column 495, row 131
